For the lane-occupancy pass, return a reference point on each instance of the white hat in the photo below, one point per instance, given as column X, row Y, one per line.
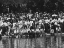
column 40, row 21
column 54, row 15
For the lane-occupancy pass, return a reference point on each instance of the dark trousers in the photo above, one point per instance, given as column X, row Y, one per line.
column 3, row 30
column 0, row 37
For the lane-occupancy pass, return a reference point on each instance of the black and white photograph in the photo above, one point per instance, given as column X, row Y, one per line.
column 31, row 23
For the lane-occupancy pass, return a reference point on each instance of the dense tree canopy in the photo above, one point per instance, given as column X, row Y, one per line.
column 34, row 5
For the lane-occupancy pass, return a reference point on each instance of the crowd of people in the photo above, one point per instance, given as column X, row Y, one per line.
column 33, row 16
column 19, row 23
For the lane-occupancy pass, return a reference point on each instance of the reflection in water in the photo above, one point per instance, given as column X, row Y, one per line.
column 5, row 43
column 22, row 43
column 1, row 45
column 41, row 42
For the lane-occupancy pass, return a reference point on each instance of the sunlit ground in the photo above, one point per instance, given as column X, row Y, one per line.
column 41, row 42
